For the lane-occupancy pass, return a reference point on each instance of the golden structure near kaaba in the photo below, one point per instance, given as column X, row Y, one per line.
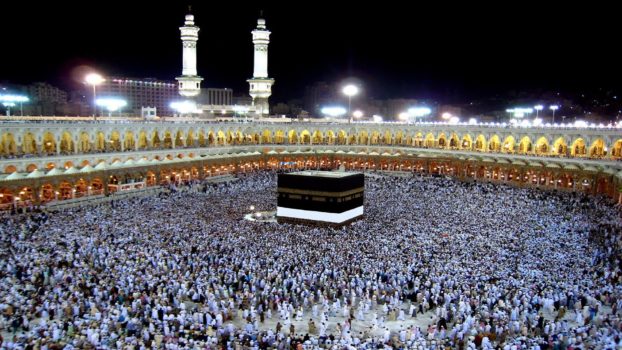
column 320, row 197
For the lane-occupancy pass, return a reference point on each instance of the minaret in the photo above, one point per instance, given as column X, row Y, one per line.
column 260, row 84
column 189, row 82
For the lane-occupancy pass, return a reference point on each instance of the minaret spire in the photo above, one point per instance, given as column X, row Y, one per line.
column 261, row 84
column 189, row 81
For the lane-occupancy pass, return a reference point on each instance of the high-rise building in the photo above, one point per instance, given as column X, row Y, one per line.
column 139, row 93
column 317, row 95
column 46, row 93
column 216, row 97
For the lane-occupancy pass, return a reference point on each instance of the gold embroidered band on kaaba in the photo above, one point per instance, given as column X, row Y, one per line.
column 320, row 193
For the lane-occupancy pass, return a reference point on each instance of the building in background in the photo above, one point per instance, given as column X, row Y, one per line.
column 318, row 95
column 140, row 93
column 216, row 97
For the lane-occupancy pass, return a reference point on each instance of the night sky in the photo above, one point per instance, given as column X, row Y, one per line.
column 446, row 51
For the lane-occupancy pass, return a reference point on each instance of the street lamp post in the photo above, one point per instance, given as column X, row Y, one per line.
column 538, row 108
column 350, row 90
column 9, row 101
column 94, row 79
column 554, row 108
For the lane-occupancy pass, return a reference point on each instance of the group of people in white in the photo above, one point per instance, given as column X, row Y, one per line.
column 434, row 264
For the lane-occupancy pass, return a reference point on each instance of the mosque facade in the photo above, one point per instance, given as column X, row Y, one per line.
column 47, row 161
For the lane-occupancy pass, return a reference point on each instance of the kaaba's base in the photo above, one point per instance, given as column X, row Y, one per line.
column 296, row 221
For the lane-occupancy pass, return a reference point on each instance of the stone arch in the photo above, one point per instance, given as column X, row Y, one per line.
column 292, row 137
column 387, row 138
column 129, row 143
column 100, row 141
column 494, row 144
column 597, row 149
column 266, row 137
column 167, row 140
column 66, row 143
column 578, row 148
column 8, row 146
column 6, row 197
column 560, row 147
column 399, row 137
column 342, row 137
column 155, row 139
column 525, row 145
column 47, row 193
column 49, row 143
column 430, row 141
column 305, row 137
column 454, row 141
column 9, row 169
column 542, row 146
column 65, row 190
column 115, row 141
column 353, row 138
column 229, row 137
column 211, row 138
column 29, row 143
column 480, row 143
column 363, row 137
column 509, row 145
column 330, row 137
column 84, row 142
column 467, row 142
column 180, row 141
column 375, row 138
column 317, row 137
column 190, row 139
column 143, row 141
column 221, row 138
column 238, row 137
column 279, row 137
column 616, row 149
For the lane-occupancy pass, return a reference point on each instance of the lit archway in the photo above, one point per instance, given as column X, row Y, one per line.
column 128, row 141
column 29, row 144
column 559, row 147
column 542, row 146
column 525, row 145
column 84, row 144
column 616, row 149
column 480, row 143
column 494, row 145
column 597, row 149
column 49, row 143
column 578, row 148
column 509, row 145
column 66, row 143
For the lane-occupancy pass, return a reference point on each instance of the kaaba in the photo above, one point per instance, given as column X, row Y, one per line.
column 320, row 197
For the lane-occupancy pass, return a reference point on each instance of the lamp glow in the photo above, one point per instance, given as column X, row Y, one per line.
column 350, row 90
column 184, row 107
column 111, row 104
column 335, row 111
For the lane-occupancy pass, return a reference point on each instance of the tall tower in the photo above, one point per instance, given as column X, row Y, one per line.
column 189, row 82
column 260, row 84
